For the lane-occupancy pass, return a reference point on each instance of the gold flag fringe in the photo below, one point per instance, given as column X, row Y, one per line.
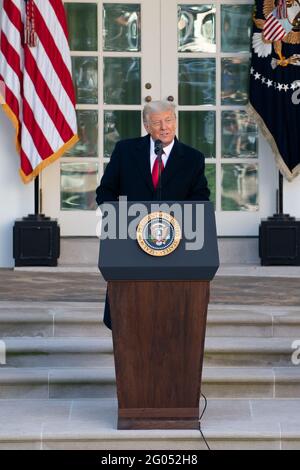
column 280, row 163
column 52, row 158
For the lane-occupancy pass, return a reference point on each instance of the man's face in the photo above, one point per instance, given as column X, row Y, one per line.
column 162, row 126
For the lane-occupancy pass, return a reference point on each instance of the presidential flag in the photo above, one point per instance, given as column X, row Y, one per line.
column 274, row 98
column 36, row 86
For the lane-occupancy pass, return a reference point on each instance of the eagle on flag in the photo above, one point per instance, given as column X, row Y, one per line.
column 282, row 24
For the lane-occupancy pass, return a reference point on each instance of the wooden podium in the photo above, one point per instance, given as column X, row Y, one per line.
column 158, row 325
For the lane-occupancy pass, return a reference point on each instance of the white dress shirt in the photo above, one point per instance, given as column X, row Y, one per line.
column 165, row 155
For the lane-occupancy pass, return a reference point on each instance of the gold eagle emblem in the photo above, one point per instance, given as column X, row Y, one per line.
column 281, row 25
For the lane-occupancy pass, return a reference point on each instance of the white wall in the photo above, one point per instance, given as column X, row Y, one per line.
column 16, row 199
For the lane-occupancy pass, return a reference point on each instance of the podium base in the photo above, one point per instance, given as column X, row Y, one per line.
column 157, row 424
column 158, row 418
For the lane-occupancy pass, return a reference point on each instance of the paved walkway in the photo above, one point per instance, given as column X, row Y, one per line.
column 91, row 287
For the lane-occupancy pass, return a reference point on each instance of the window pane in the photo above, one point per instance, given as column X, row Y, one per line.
column 236, row 27
column 78, row 185
column 235, row 78
column 82, row 26
column 240, row 187
column 210, row 173
column 239, row 135
column 121, row 27
column 196, row 28
column 120, row 125
column 197, row 128
column 197, row 79
column 122, row 80
column 87, row 146
column 85, row 77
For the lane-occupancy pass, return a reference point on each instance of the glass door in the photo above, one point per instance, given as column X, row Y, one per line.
column 115, row 48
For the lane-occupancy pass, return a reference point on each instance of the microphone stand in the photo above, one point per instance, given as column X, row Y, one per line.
column 279, row 203
column 159, row 178
column 159, row 175
column 158, row 149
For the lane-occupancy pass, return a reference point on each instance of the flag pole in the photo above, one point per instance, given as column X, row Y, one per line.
column 36, row 195
column 280, row 194
column 279, row 200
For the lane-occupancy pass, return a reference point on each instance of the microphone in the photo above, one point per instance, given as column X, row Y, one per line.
column 158, row 147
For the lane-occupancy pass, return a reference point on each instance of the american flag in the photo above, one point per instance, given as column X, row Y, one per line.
column 273, row 30
column 35, row 74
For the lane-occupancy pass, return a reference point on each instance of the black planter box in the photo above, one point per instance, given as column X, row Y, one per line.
column 36, row 241
column 279, row 241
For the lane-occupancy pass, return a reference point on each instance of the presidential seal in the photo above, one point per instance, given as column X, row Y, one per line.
column 158, row 234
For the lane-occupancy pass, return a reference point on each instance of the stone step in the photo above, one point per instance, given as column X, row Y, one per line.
column 98, row 352
column 52, row 319
column 91, row 424
column 253, row 320
column 58, row 352
column 63, row 319
column 255, row 352
column 75, row 383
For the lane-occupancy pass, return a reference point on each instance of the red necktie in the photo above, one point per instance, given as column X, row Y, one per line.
column 155, row 171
